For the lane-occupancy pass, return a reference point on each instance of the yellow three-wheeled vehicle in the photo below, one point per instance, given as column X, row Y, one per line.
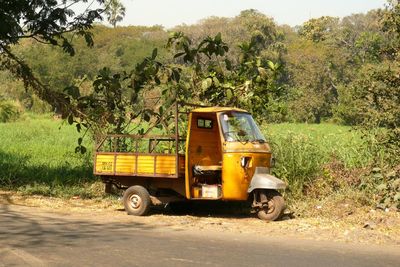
column 224, row 157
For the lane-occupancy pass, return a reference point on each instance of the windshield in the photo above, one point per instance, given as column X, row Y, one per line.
column 240, row 127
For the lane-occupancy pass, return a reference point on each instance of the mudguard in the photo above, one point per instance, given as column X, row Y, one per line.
column 263, row 180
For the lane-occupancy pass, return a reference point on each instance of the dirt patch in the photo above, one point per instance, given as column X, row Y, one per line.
column 360, row 225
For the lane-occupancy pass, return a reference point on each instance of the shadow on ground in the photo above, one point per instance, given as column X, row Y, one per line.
column 20, row 228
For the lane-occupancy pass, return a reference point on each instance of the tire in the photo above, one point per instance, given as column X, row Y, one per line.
column 137, row 200
column 275, row 207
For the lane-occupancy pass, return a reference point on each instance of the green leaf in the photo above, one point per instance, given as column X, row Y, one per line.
column 218, row 38
column 179, row 54
column 70, row 119
column 258, row 62
column 176, row 75
column 216, row 81
column 83, row 150
column 271, row 65
column 67, row 47
column 205, row 84
column 228, row 64
column 88, row 39
column 154, row 54
column 229, row 94
column 73, row 91
column 80, row 140
column 146, row 117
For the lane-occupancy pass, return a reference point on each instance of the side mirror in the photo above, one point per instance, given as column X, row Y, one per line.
column 272, row 162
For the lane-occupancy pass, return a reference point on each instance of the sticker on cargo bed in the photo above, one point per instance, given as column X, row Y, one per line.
column 106, row 166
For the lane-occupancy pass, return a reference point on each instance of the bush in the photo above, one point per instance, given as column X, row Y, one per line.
column 383, row 184
column 307, row 152
column 298, row 160
column 9, row 111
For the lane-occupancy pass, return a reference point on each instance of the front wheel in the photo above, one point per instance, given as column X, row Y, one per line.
column 269, row 204
column 137, row 200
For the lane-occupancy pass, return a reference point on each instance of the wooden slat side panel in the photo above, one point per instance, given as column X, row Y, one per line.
column 166, row 165
column 145, row 164
column 104, row 164
column 125, row 164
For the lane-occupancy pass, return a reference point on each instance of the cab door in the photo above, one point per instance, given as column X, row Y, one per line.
column 204, row 157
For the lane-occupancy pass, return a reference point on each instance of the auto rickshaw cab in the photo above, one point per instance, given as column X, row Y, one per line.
column 228, row 158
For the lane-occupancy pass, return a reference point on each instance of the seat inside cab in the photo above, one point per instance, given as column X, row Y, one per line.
column 205, row 157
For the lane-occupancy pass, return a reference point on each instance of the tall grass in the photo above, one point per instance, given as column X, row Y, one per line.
column 302, row 150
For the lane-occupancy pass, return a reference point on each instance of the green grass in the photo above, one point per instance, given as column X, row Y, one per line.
column 330, row 140
column 37, row 156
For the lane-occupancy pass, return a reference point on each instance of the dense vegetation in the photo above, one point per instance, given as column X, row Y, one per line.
column 313, row 72
column 343, row 71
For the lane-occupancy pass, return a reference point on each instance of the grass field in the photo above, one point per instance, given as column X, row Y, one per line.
column 37, row 155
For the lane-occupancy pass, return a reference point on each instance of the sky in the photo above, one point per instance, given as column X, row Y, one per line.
column 170, row 13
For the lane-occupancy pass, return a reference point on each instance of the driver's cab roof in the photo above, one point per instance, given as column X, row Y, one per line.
column 217, row 109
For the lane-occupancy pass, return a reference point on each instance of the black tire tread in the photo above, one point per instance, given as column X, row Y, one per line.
column 279, row 207
column 144, row 195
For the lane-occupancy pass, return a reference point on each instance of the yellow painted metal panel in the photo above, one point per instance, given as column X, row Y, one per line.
column 125, row 164
column 187, row 162
column 182, row 161
column 236, row 179
column 217, row 109
column 166, row 165
column 104, row 164
column 145, row 164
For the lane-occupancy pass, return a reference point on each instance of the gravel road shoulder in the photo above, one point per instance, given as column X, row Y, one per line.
column 357, row 226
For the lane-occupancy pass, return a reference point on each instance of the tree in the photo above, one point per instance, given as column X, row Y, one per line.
column 379, row 86
column 115, row 11
column 313, row 85
column 319, row 29
column 50, row 22
column 250, row 82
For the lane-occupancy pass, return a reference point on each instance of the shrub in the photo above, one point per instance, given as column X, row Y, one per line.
column 9, row 111
column 298, row 160
column 383, row 184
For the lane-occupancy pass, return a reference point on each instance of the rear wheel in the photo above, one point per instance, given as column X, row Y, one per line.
column 269, row 204
column 137, row 200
